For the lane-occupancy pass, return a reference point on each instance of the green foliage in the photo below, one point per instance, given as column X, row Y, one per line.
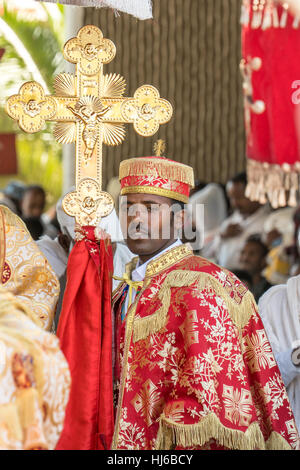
column 39, row 162
column 40, row 41
column 39, row 156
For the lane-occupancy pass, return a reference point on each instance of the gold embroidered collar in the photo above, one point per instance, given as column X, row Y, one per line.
column 168, row 259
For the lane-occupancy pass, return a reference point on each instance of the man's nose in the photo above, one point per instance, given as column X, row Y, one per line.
column 139, row 214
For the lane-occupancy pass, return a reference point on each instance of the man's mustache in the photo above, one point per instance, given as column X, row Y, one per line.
column 138, row 231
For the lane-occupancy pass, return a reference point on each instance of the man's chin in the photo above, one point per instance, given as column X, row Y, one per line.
column 139, row 246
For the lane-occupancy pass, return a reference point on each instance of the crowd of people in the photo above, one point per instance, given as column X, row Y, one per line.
column 28, row 202
column 258, row 244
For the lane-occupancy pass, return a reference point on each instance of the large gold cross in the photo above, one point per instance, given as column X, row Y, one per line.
column 89, row 108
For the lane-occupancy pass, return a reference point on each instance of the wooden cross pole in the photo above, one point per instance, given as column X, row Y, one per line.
column 89, row 108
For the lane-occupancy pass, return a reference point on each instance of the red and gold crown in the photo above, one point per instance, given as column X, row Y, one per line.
column 156, row 175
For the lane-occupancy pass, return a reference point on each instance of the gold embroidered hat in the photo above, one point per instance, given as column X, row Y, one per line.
column 156, row 175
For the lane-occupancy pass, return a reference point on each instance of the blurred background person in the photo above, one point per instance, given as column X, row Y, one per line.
column 245, row 277
column 114, row 188
column 209, row 209
column 253, row 260
column 32, row 206
column 12, row 196
column 34, row 226
column 279, row 236
column 247, row 218
column 33, row 201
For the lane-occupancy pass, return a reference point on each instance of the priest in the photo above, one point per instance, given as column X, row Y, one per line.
column 25, row 271
column 34, row 379
column 193, row 368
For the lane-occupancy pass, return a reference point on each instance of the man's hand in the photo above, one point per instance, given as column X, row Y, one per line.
column 233, row 230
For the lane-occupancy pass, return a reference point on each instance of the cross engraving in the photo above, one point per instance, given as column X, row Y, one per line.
column 89, row 108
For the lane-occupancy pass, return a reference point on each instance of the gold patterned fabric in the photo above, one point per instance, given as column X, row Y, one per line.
column 24, row 270
column 156, row 175
column 34, row 380
column 194, row 367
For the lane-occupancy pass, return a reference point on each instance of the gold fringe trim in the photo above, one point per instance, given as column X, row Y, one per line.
column 155, row 190
column 276, row 183
column 239, row 312
column 161, row 167
column 172, row 434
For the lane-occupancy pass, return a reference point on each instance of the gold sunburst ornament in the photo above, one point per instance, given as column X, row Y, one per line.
column 89, row 108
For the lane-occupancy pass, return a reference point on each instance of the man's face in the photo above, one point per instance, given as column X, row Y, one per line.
column 32, row 204
column 238, row 200
column 148, row 225
column 252, row 258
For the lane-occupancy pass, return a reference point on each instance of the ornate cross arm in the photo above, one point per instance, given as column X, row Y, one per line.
column 89, row 108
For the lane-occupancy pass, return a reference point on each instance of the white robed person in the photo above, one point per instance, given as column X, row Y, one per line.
column 279, row 308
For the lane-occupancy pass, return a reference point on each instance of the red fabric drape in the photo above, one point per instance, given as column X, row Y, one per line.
column 273, row 135
column 85, row 332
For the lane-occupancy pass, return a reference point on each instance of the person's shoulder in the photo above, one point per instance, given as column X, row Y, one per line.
column 201, row 264
column 11, row 219
column 273, row 296
column 205, row 280
column 216, row 276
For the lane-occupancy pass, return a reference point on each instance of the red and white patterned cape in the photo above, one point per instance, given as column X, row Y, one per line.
column 195, row 366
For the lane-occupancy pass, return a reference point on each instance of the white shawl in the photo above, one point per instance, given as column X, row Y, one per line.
column 141, row 9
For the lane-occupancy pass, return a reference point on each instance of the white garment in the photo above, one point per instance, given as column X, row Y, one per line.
column 142, row 9
column 139, row 273
column 209, row 210
column 55, row 254
column 58, row 259
column 110, row 224
column 282, row 220
column 227, row 251
column 279, row 308
column 122, row 257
